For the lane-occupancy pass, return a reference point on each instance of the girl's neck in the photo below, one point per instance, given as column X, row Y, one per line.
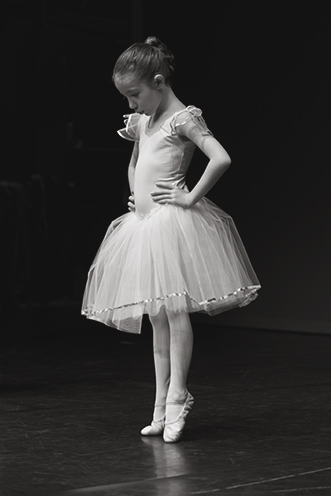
column 168, row 106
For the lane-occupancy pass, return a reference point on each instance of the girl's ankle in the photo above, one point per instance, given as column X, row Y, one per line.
column 177, row 396
column 159, row 411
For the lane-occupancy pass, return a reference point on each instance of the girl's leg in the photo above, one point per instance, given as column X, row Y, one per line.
column 161, row 348
column 181, row 347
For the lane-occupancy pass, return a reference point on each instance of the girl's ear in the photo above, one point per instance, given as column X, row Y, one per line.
column 159, row 81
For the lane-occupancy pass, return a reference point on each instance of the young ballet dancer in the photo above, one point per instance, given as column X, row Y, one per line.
column 174, row 252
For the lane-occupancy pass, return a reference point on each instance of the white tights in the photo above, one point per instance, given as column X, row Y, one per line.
column 173, row 345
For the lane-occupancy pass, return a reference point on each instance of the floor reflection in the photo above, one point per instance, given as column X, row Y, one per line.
column 171, row 462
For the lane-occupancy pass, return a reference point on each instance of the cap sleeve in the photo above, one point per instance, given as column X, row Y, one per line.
column 131, row 129
column 191, row 115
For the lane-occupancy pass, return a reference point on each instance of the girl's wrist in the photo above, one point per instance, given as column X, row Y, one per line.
column 190, row 200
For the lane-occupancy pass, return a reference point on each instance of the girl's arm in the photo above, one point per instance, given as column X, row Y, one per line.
column 219, row 161
column 131, row 172
column 132, row 166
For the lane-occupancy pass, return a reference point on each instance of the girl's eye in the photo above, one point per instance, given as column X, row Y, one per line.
column 134, row 94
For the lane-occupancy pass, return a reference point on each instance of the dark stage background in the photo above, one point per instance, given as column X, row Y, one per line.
column 260, row 72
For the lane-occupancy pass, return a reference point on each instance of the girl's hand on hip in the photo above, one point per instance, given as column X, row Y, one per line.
column 167, row 193
column 131, row 204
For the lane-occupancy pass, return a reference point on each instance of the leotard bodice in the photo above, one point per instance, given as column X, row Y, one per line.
column 164, row 154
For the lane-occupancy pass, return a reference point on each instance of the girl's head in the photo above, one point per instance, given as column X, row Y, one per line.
column 142, row 73
column 145, row 61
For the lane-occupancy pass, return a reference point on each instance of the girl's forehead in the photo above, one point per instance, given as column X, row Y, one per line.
column 127, row 81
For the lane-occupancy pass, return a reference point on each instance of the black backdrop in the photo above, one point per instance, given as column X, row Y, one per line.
column 259, row 71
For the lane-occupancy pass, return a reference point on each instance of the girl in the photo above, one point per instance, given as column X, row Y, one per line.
column 175, row 252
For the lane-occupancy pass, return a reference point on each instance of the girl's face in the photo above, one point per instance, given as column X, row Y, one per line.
column 143, row 98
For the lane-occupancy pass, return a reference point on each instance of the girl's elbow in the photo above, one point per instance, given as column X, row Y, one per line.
column 221, row 162
column 224, row 159
column 226, row 162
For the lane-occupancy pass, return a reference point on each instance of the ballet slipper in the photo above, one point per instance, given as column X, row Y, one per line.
column 173, row 429
column 156, row 427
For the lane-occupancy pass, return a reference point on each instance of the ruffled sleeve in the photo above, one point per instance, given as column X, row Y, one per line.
column 131, row 129
column 192, row 115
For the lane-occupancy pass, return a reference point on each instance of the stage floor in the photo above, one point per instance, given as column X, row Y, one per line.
column 75, row 394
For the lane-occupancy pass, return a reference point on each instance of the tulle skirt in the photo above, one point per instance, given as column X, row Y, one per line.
column 190, row 260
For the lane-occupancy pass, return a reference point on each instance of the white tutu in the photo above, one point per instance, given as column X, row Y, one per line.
column 188, row 260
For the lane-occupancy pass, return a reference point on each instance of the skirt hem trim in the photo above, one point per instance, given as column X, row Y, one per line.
column 250, row 296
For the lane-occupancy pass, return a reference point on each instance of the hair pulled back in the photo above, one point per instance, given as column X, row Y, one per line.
column 146, row 60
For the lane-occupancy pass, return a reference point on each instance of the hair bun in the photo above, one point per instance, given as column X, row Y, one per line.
column 156, row 43
column 153, row 41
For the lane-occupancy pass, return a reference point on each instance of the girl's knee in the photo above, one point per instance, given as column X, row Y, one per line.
column 180, row 327
column 178, row 319
column 160, row 319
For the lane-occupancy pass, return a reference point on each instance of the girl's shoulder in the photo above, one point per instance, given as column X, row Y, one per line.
column 189, row 116
column 133, row 125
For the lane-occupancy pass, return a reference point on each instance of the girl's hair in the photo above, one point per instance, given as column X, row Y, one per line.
column 146, row 60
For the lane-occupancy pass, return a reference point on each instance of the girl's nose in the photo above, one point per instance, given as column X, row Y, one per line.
column 132, row 105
